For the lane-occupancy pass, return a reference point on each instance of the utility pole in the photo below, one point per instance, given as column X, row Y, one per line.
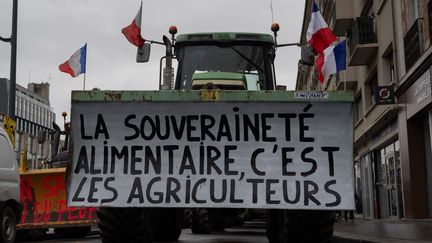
column 13, row 41
column 12, row 84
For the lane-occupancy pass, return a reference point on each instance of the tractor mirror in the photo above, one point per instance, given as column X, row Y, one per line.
column 307, row 56
column 143, row 53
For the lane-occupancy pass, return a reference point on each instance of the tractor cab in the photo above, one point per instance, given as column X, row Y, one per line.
column 226, row 60
column 229, row 61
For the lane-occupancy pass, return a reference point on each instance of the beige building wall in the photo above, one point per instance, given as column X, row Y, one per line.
column 375, row 129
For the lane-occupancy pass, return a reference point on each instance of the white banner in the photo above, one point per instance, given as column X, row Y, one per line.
column 215, row 154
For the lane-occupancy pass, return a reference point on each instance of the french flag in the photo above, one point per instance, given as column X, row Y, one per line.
column 319, row 35
column 76, row 63
column 132, row 32
column 332, row 61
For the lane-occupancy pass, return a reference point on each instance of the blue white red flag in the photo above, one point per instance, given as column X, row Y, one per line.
column 76, row 63
column 332, row 61
column 319, row 35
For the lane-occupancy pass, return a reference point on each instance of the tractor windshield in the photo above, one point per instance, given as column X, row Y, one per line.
column 250, row 60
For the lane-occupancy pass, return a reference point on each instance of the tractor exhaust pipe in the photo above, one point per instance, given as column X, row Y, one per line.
column 168, row 71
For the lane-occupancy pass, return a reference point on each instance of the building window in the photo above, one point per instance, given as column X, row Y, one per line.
column 411, row 11
column 392, row 70
column 28, row 110
column 37, row 114
column 45, row 114
column 358, row 110
column 25, row 110
column 22, row 107
column 414, row 31
column 31, row 111
column 389, row 67
column 369, row 91
column 18, row 106
column 50, row 119
column 40, row 115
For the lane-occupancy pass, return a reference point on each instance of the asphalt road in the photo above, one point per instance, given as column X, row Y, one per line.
column 249, row 233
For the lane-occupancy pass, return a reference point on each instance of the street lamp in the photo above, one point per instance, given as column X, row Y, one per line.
column 13, row 41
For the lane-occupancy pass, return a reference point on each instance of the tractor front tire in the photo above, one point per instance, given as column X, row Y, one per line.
column 8, row 221
column 165, row 223
column 274, row 225
column 125, row 225
column 201, row 222
column 217, row 222
column 315, row 226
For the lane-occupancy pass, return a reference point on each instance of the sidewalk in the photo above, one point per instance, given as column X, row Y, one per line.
column 394, row 231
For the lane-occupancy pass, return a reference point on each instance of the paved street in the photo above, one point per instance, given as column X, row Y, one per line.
column 400, row 231
column 250, row 233
column 394, row 231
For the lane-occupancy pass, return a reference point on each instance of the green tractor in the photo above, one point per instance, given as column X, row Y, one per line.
column 213, row 61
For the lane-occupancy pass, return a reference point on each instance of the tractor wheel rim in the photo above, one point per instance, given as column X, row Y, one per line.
column 8, row 226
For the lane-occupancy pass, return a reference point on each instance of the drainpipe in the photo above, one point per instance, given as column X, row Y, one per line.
column 395, row 59
column 397, row 56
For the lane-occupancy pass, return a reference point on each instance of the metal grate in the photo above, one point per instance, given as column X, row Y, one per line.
column 413, row 43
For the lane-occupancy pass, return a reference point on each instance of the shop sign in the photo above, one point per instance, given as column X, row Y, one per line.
column 419, row 94
column 384, row 95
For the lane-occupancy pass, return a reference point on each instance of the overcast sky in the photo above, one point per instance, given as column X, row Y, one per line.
column 50, row 31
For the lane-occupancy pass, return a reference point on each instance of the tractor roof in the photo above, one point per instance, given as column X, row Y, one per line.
column 224, row 37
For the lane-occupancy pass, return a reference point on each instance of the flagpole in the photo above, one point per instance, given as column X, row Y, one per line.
column 141, row 17
column 85, row 73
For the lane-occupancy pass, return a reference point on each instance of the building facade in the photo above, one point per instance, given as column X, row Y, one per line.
column 34, row 118
column 415, row 115
column 387, row 47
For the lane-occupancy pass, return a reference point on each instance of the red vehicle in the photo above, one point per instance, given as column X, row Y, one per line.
column 43, row 197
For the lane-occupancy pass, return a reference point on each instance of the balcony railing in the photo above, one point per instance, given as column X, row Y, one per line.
column 413, row 42
column 362, row 32
column 362, row 41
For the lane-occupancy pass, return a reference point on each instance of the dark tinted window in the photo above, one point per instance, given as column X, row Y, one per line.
column 247, row 59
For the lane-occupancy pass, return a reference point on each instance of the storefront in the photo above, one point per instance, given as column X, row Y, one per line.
column 428, row 155
column 378, row 175
column 415, row 121
column 367, row 195
column 389, row 181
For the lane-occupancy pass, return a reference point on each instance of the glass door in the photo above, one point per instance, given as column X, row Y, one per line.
column 428, row 157
column 391, row 204
column 391, row 186
column 367, row 190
